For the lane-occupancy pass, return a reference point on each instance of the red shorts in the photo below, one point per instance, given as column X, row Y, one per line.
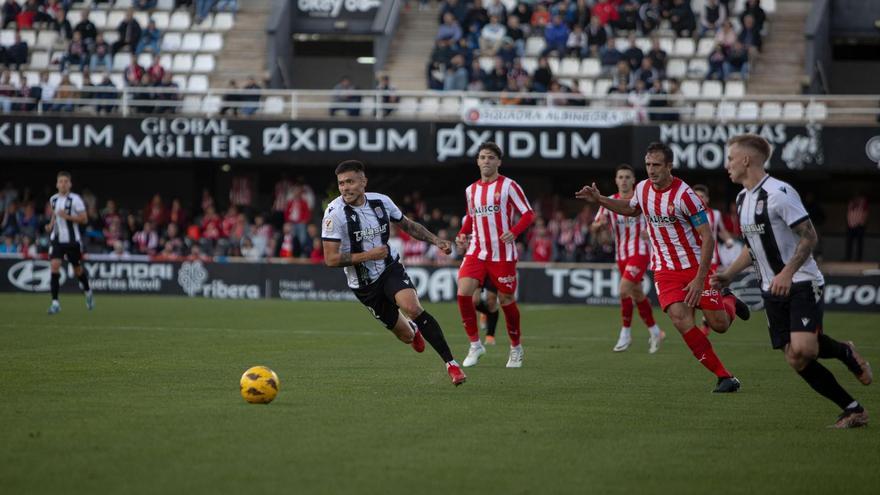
column 670, row 285
column 501, row 273
column 633, row 268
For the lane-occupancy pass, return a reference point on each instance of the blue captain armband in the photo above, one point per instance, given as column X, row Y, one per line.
column 699, row 218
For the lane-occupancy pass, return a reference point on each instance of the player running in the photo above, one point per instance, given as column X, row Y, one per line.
column 633, row 255
column 779, row 242
column 492, row 202
column 68, row 212
column 719, row 233
column 355, row 232
column 682, row 246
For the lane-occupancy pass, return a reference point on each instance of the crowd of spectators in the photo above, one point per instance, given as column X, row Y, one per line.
column 471, row 29
column 86, row 52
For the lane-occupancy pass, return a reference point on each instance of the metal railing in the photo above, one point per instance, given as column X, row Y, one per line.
column 432, row 105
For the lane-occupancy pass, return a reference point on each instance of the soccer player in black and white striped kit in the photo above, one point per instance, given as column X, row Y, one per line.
column 779, row 242
column 69, row 212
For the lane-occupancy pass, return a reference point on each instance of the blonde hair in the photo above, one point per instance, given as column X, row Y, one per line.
column 753, row 142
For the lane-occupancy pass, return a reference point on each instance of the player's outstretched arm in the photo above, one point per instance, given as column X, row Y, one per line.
column 591, row 194
column 332, row 256
column 418, row 231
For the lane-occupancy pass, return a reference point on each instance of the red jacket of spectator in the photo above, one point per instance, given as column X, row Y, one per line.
column 541, row 248
column 297, row 211
column 606, row 12
column 211, row 228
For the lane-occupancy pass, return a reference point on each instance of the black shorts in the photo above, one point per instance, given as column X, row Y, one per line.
column 488, row 286
column 800, row 311
column 378, row 297
column 66, row 250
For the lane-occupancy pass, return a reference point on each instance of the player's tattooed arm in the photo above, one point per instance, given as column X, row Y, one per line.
column 805, row 246
column 345, row 259
column 418, row 231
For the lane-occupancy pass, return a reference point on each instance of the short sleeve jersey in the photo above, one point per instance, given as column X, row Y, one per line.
column 66, row 231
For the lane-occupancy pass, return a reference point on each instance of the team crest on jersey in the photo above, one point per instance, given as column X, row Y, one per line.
column 670, row 209
column 378, row 211
column 497, row 196
column 328, row 225
column 759, row 207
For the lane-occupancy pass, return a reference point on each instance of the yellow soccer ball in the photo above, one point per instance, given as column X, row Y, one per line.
column 259, row 385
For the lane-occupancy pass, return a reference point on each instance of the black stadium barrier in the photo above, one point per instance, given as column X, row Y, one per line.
column 593, row 284
column 186, row 140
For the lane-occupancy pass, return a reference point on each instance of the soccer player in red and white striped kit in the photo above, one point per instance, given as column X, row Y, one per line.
column 682, row 245
column 633, row 256
column 492, row 203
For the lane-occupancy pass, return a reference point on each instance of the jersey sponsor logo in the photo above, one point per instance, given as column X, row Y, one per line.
column 753, row 228
column 662, row 219
column 370, row 232
column 480, row 211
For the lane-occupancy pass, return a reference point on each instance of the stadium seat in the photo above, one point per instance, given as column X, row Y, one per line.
column 7, row 37
column 817, row 111
column 450, row 106
column 191, row 104
column 274, row 105
column 586, row 87
column 183, row 62
column 568, row 82
column 529, row 64
column 676, row 68
column 690, row 88
column 76, row 78
column 223, row 21
column 211, row 104
column 166, row 60
column 46, row 39
column 111, row 37
column 145, row 60
column 704, row 48
column 470, row 102
column 771, row 110
column 206, row 24
column 162, row 19
column 621, row 43
column 121, row 61
column 535, row 45
column 570, row 67
column 734, row 89
column 122, row 4
column 429, row 106
column 180, row 21
column 684, row 47
column 192, row 42
column 408, row 106
column 33, row 77
column 704, row 110
column 113, row 19
column 553, row 64
column 590, row 67
column 602, row 86
column 368, row 106
column 54, row 78
column 748, row 110
column 711, row 89
column 74, row 17
column 179, row 80
column 197, row 84
column 793, row 110
column 99, row 19
column 97, row 79
column 39, row 60
column 171, row 42
column 14, row 79
column 644, row 44
column 203, row 63
column 667, row 44
column 142, row 18
column 212, row 42
column 726, row 111
column 118, row 80
column 487, row 63
column 29, row 37
column 165, row 5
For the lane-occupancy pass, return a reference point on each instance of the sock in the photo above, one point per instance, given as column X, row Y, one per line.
column 469, row 317
column 702, row 349
column 626, row 311
column 822, row 381
column 491, row 322
column 729, row 303
column 625, row 331
column 646, row 312
column 55, row 284
column 434, row 335
column 84, row 282
column 654, row 330
column 482, row 307
column 830, row 348
column 511, row 318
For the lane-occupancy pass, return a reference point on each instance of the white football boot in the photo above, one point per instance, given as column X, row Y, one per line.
column 516, row 357
column 624, row 341
column 474, row 354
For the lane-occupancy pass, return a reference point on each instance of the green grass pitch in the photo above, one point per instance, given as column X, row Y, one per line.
column 141, row 396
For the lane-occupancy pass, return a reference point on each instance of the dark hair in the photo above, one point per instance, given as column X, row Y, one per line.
column 701, row 188
column 754, row 142
column 625, row 166
column 494, row 148
column 350, row 166
column 657, row 147
column 63, row 173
